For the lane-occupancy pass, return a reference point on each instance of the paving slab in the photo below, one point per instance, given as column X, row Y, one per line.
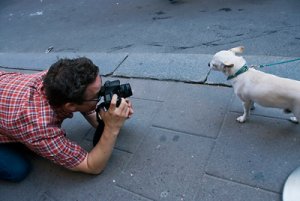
column 151, row 89
column 76, row 127
column 168, row 166
column 195, row 109
column 125, row 195
column 41, row 61
column 259, row 153
column 216, row 189
column 148, row 89
column 187, row 67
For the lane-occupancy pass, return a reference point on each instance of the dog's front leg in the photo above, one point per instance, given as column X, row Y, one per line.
column 247, row 106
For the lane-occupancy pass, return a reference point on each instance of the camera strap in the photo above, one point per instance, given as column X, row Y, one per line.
column 98, row 132
column 100, row 128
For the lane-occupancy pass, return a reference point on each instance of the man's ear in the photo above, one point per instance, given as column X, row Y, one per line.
column 238, row 50
column 70, row 107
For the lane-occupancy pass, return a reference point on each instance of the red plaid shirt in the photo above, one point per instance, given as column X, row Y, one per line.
column 26, row 117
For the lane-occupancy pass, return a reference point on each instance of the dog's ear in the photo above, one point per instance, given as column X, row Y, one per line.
column 239, row 49
column 228, row 65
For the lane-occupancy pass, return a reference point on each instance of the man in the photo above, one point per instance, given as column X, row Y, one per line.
column 33, row 107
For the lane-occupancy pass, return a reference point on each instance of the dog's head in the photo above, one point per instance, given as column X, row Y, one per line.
column 226, row 60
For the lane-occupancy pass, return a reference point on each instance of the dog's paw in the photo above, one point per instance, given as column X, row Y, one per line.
column 241, row 119
column 294, row 120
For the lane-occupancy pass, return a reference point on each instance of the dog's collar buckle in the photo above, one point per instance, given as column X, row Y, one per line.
column 240, row 71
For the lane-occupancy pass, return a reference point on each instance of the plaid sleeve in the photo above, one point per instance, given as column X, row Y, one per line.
column 42, row 133
column 58, row 148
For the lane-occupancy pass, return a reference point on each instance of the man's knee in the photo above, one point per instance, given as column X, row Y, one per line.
column 14, row 166
column 19, row 171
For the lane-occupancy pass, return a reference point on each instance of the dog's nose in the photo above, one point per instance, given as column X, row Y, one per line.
column 208, row 64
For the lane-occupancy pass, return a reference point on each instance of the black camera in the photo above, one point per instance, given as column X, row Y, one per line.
column 114, row 87
column 107, row 91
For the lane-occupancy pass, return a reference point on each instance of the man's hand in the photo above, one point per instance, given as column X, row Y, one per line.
column 114, row 119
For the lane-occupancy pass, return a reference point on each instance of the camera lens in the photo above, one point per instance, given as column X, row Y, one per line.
column 125, row 90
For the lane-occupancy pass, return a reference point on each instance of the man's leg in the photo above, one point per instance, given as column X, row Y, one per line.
column 13, row 164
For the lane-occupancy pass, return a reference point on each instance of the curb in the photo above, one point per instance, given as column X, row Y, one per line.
column 189, row 68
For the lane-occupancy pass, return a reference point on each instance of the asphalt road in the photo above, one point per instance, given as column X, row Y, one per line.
column 264, row 27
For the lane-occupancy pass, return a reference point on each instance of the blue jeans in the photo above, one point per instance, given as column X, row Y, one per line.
column 14, row 166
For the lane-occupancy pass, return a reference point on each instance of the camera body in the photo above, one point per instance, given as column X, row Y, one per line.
column 114, row 87
column 107, row 91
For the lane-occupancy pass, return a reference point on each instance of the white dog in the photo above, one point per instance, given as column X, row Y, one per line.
column 251, row 85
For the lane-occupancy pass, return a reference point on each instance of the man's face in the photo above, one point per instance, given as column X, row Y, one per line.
column 91, row 96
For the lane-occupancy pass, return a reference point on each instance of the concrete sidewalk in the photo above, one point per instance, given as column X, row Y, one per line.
column 183, row 142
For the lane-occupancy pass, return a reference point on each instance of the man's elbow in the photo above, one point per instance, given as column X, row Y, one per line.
column 94, row 171
column 88, row 168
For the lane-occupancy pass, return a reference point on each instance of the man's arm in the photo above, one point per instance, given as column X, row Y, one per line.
column 114, row 119
column 97, row 158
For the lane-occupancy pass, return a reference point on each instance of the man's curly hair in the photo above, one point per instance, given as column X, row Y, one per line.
column 67, row 80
